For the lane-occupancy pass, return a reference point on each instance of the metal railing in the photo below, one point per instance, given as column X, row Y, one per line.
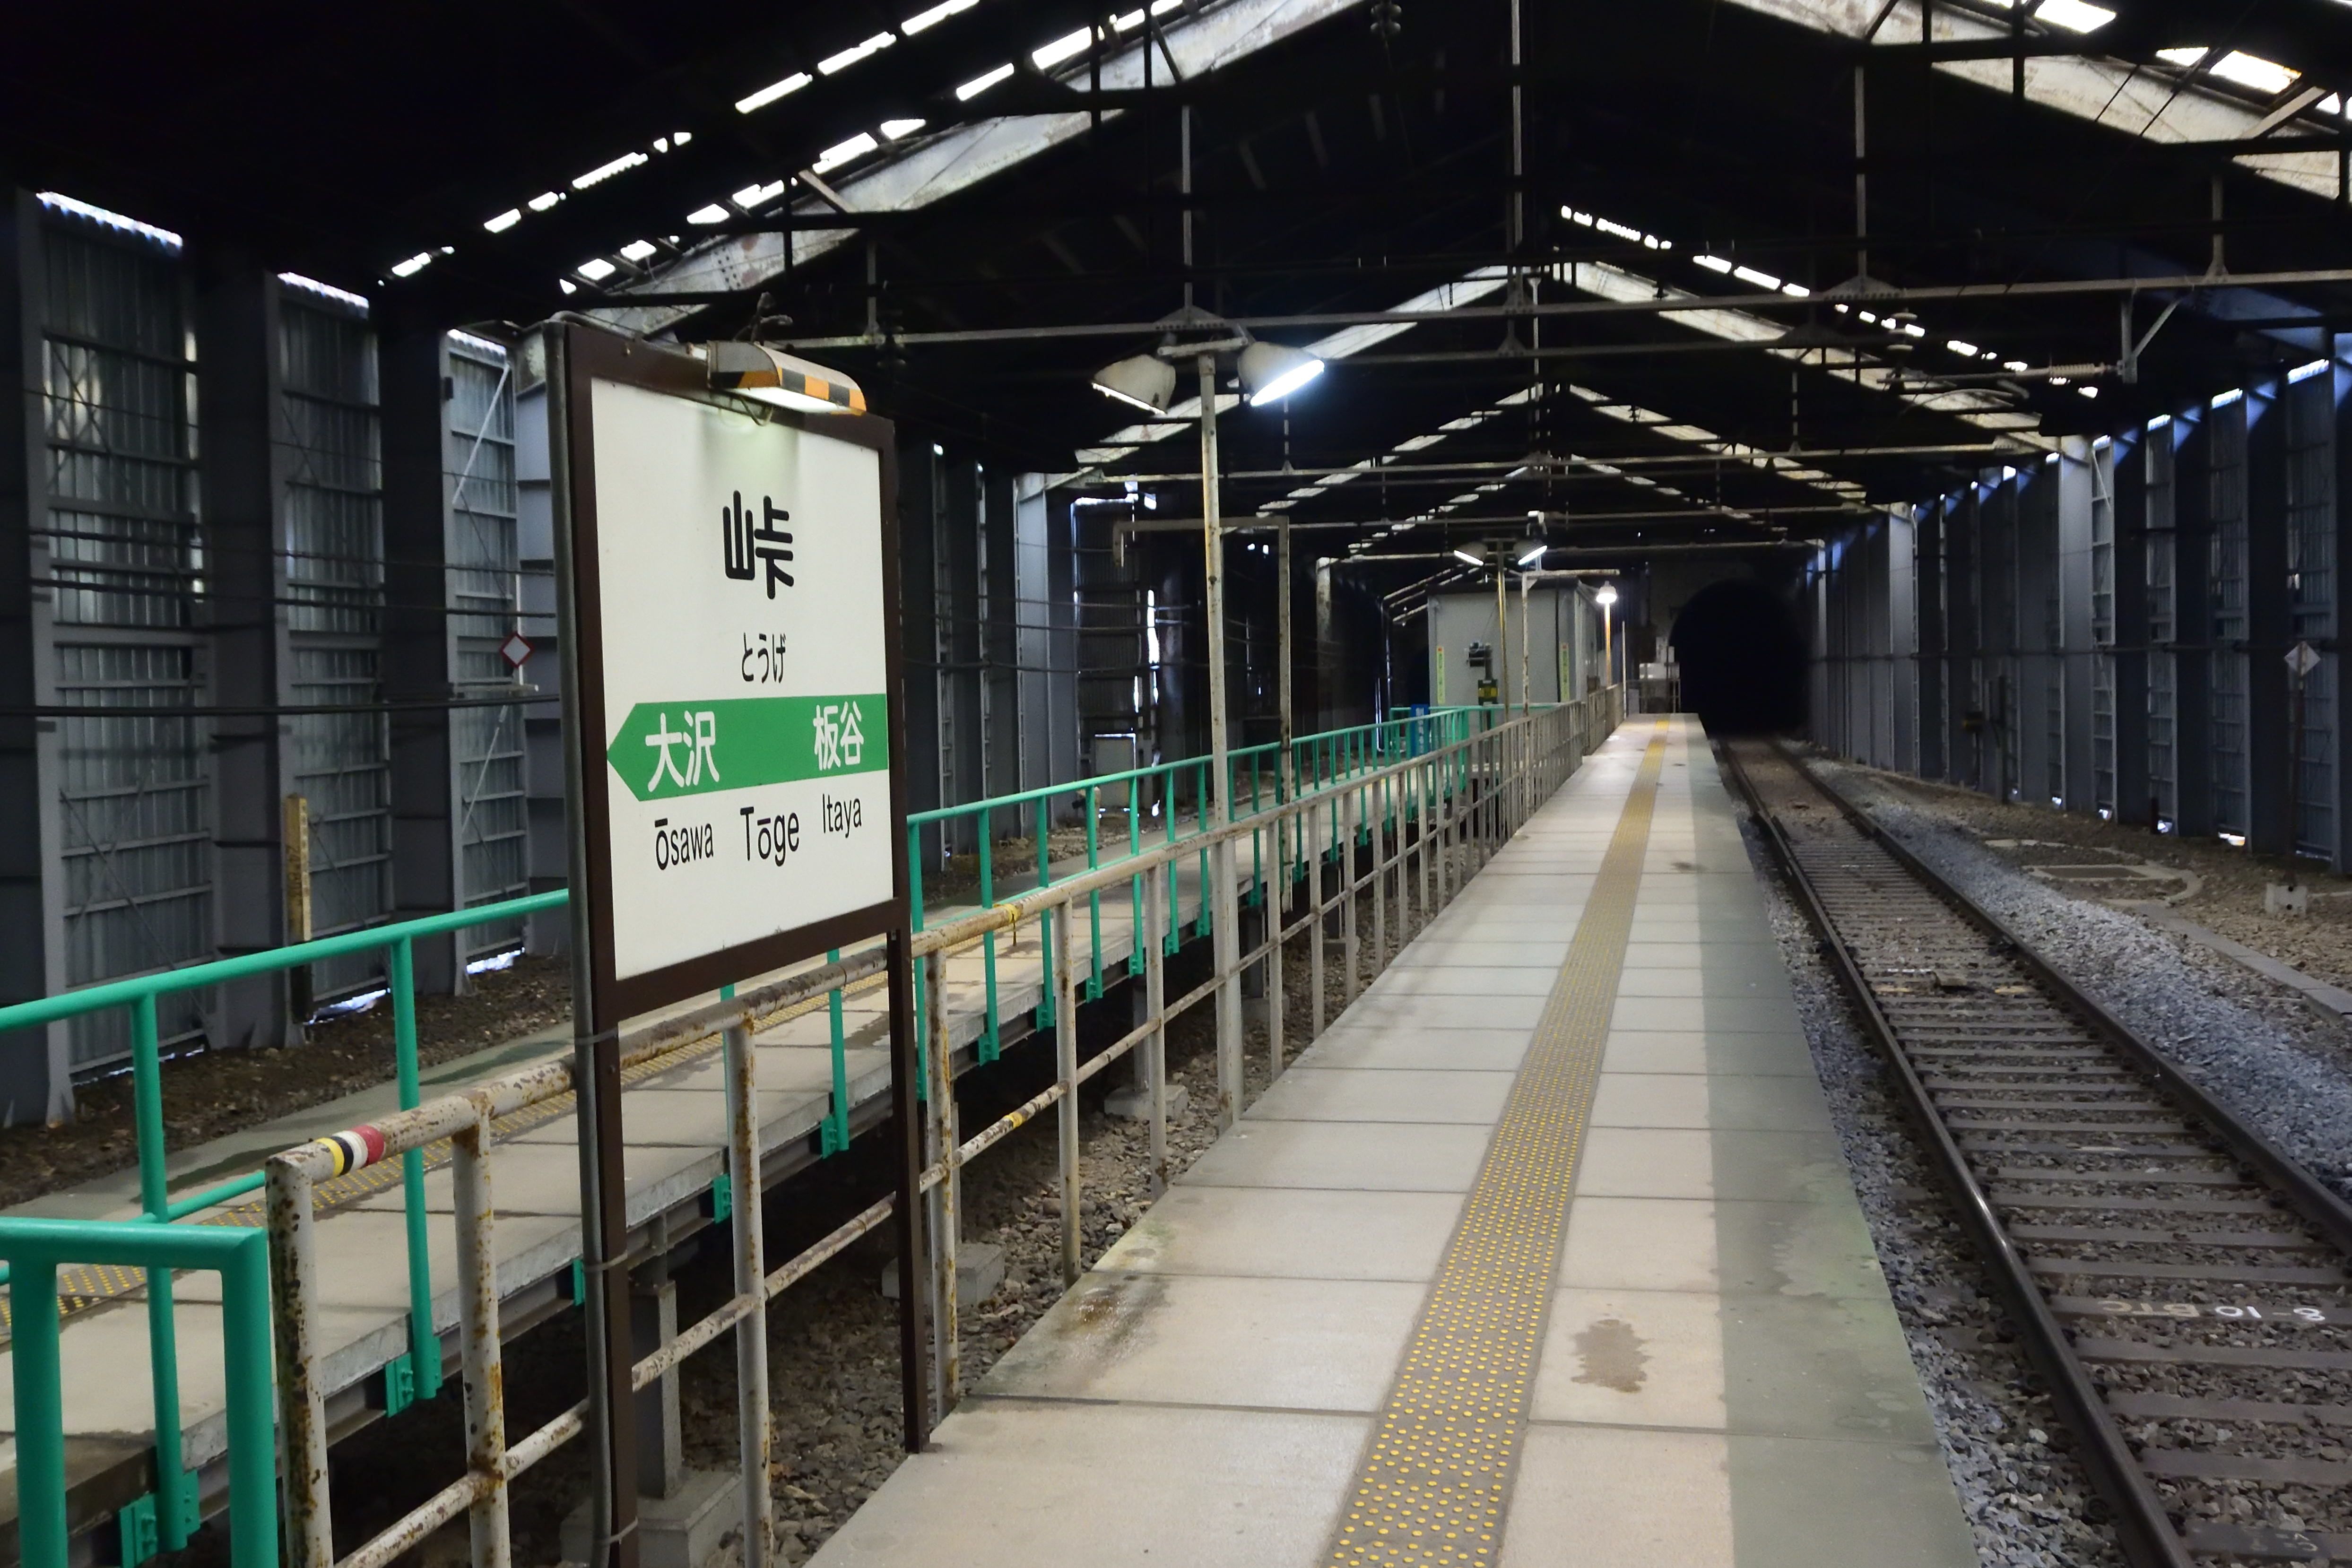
column 174, row 1500
column 1410, row 831
column 35, row 1250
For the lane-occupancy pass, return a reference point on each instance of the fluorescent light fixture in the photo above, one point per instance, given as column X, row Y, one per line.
column 2223, row 399
column 1140, row 381
column 603, row 172
column 1959, row 346
column 504, row 221
column 980, row 84
column 1466, row 554
column 324, row 290
column 773, row 91
column 1713, row 262
column 1796, row 291
column 2304, row 372
column 1533, row 553
column 2017, row 365
column 1062, row 48
column 1272, row 370
column 2088, row 391
column 2253, row 71
column 937, row 14
column 111, row 220
column 713, row 213
column 543, row 201
column 1760, row 279
column 412, row 266
column 855, row 53
column 2075, row 15
column 841, row 153
column 770, row 375
column 752, row 196
column 892, row 129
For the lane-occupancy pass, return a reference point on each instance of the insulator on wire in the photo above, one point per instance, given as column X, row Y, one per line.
column 1388, row 19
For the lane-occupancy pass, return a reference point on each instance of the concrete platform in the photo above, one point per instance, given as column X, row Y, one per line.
column 1717, row 1376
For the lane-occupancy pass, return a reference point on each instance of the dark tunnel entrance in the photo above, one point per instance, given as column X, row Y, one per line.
column 1742, row 658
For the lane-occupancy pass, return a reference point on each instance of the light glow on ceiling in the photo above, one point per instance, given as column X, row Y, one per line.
column 324, row 290
column 117, row 221
column 603, row 172
column 773, row 91
column 855, row 53
column 980, row 84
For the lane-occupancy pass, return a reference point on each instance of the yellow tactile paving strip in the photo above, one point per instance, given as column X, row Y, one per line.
column 1434, row 1487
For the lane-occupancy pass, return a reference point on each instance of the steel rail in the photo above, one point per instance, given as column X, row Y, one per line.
column 2143, row 1528
column 2146, row 1529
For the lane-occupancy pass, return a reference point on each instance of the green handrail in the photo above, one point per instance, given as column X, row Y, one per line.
column 35, row 1249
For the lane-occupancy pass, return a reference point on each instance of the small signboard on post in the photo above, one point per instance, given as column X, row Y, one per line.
column 727, row 577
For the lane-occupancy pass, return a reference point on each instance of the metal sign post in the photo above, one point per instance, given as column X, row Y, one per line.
column 727, row 575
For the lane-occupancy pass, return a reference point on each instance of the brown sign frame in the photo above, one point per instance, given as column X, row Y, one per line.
column 590, row 354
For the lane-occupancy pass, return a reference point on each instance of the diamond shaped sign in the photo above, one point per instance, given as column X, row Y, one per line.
column 516, row 650
column 2303, row 658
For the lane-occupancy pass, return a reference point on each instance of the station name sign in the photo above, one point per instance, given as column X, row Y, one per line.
column 731, row 581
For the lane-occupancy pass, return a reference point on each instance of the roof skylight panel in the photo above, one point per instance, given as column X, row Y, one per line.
column 603, row 172
column 637, row 250
column 596, row 269
column 1062, row 48
column 1416, row 443
column 841, row 153
column 855, row 53
column 2253, row 71
column 982, row 83
column 713, row 213
column 2075, row 15
column 752, row 196
column 935, row 14
column 773, row 91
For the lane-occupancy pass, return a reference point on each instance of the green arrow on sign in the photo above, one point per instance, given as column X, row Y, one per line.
column 666, row 749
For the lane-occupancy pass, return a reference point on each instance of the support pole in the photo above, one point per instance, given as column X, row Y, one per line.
column 1277, row 903
column 1225, row 920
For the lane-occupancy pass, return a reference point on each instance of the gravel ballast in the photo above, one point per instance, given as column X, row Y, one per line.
column 2252, row 1044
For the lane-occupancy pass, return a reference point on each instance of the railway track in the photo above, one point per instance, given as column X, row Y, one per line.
column 2179, row 1281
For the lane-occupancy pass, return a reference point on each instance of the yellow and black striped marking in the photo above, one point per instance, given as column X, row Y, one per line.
column 1434, row 1487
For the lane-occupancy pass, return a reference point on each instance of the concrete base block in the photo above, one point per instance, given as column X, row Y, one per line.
column 690, row 1530
column 979, row 1270
column 2279, row 899
column 1134, row 1103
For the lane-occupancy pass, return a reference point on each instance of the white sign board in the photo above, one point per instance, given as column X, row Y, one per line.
column 735, row 664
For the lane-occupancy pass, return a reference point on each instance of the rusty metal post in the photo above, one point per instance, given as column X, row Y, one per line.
column 754, row 1431
column 295, row 845
column 477, row 1323
column 1218, row 899
column 914, row 1357
column 1065, row 1062
column 1351, row 810
column 301, row 1401
column 945, row 1207
column 1155, row 1044
column 1380, row 876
